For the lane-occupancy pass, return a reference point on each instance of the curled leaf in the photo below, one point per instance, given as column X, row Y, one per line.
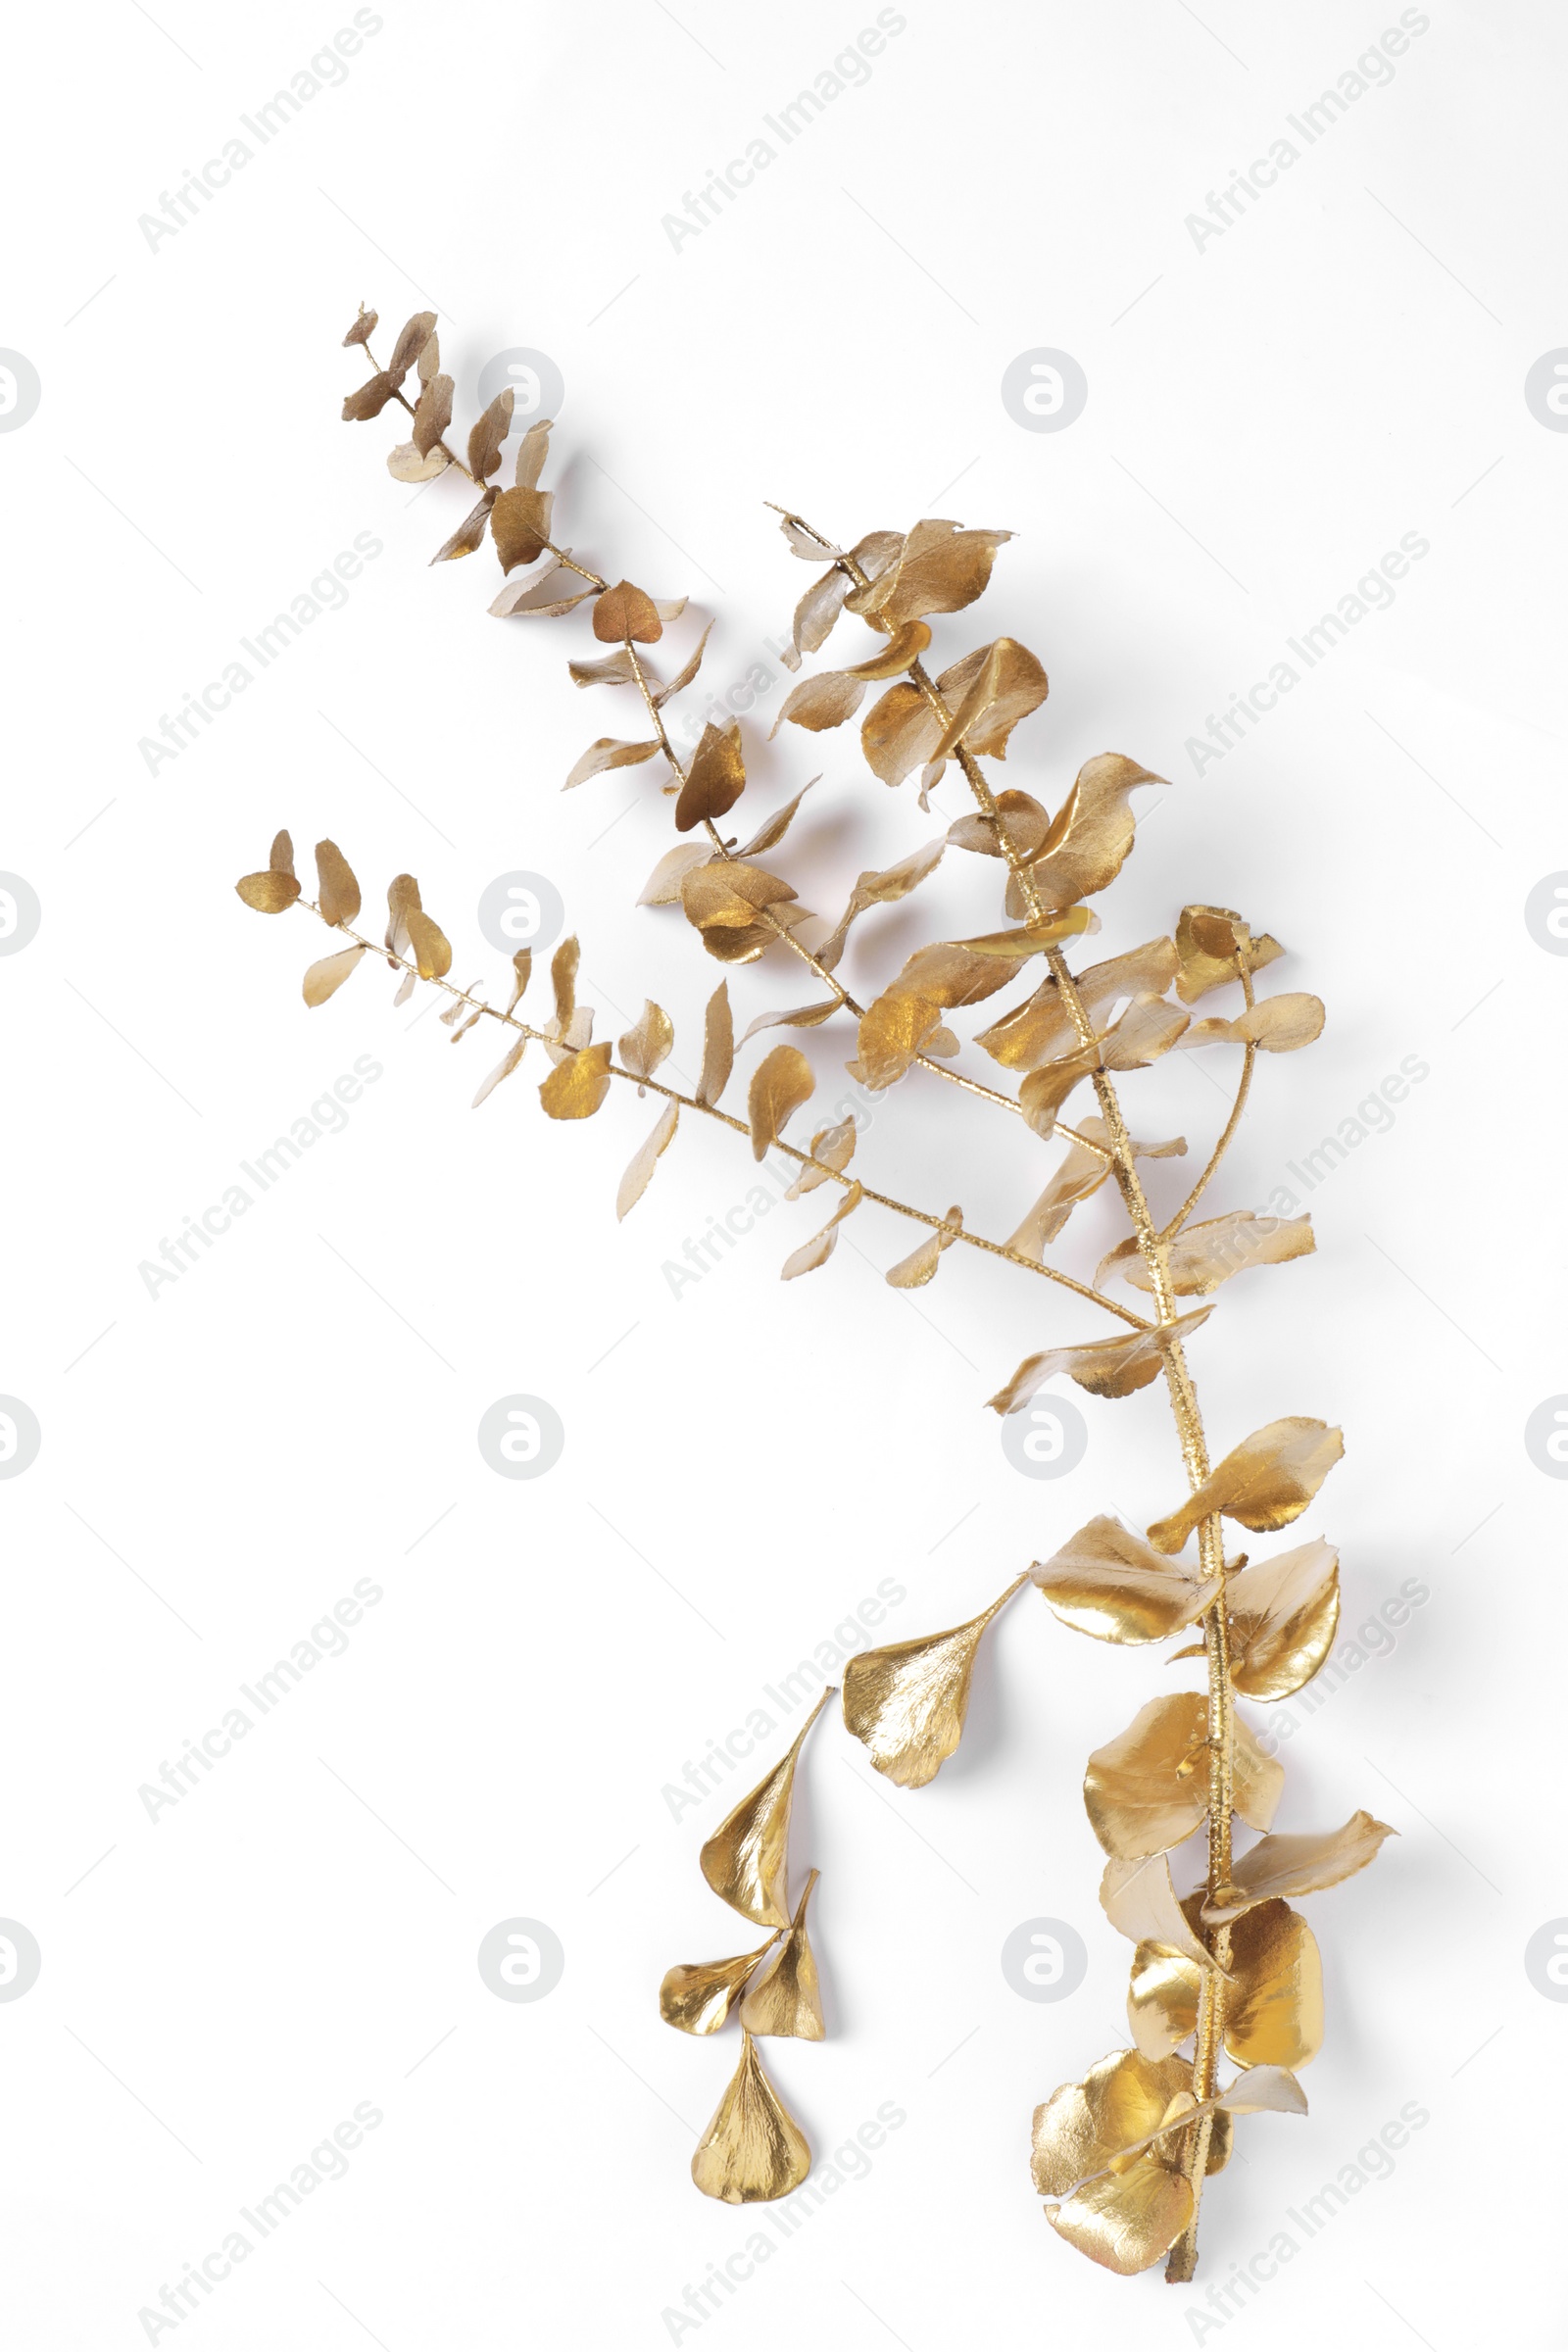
column 1093, row 831
column 1124, row 2199
column 906, row 646
column 1106, row 1582
column 469, row 534
column 1289, row 1865
column 1265, row 1482
column 1008, row 684
column 1105, row 1367
column 773, row 829
column 698, row 1995
column 1032, row 938
column 1284, row 1614
column 1044, row 1025
column 821, row 1247
column 780, row 1082
column 532, row 451
column 1209, row 940
column 746, row 1861
column 325, row 978
column 1273, row 2001
column 576, row 1086
column 788, row 1999
column 1140, row 1902
column 939, row 568
column 1264, row 2091
column 753, row 2150
column 412, row 340
column 337, row 893
column 503, row 1069
column 907, row 1702
column 913, row 1272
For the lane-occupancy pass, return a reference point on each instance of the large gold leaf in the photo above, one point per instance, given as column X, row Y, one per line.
column 913, row 1272
column 821, row 701
column 1085, row 2127
column 1298, row 1864
column 645, row 1046
column 714, row 779
column 906, row 1703
column 1125, row 2222
column 1265, row 1482
column 1147, row 1790
column 1093, row 832
column 780, row 1082
column 1284, row 1614
column 640, row 1171
column 1105, row 1367
column 1203, row 1256
column 1009, row 685
column 788, row 2000
column 1032, row 938
column 1081, row 1173
column 746, row 1861
column 940, row 568
column 753, row 2151
column 605, row 753
column 719, row 1046
column 1274, row 2006
column 575, row 1088
column 337, row 892
column 698, row 1995
column 821, row 1247
column 325, row 978
column 1209, row 940
column 625, row 615
column 1105, row 1581
column 1043, row 1025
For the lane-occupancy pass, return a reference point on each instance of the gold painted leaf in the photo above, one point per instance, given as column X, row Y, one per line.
column 1085, row 2127
column 575, row 1088
column 413, row 339
column 1008, row 684
column 907, row 1702
column 646, row 1045
column 369, row 399
column 607, row 752
column 686, row 672
column 615, row 670
column 1203, row 1256
column 913, row 1272
column 1282, row 1025
column 1147, row 1790
column 698, row 1995
column 1274, row 2005
column 905, row 644
column 770, row 834
column 1042, row 1024
column 404, row 464
column 362, row 330
column 430, row 357
column 532, row 451
column 469, row 534
column 1284, row 1614
column 639, row 1174
column 1163, row 1995
column 1292, row 1865
column 490, row 430
column 271, row 892
column 402, row 896
column 521, row 600
column 1045, row 1090
column 503, row 1069
column 337, row 893
column 788, row 2000
column 815, row 615
column 1265, row 1482
column 899, row 733
column 1125, row 2222
column 663, row 887
column 821, row 1247
column 746, row 1861
column 280, row 856
column 1149, row 1028
column 1105, row 1367
column 1264, row 2091
column 780, row 1082
column 795, row 1016
column 625, row 615
column 893, row 1030
column 824, row 701
column 719, row 1046
column 1019, row 818
column 325, row 978
column 1032, row 938
column 714, row 779
column 1093, row 831
column 519, row 525
column 833, row 1148
column 432, row 951
column 882, row 887
column 1106, row 1582
column 432, row 415
column 521, row 972
column 1080, row 1174
column 1140, row 1902
column 940, row 568
column 564, row 966
column 753, row 2150
column 1209, row 940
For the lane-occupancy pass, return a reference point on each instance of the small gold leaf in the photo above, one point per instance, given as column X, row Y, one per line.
column 753, row 2150
column 404, row 464
column 1209, row 940
column 1043, row 1025
column 1281, row 1025
column 469, row 534
column 782, row 1082
column 640, row 1172
column 607, row 752
column 432, row 951
column 772, row 831
column 281, row 858
column 1264, row 2091
column 362, row 330
column 1284, row 1614
column 325, row 978
column 1008, row 684
column 269, row 892
column 492, row 428
column 519, row 525
column 337, row 893
column 1265, row 1482
column 913, row 1272
column 746, row 1861
column 1081, row 1173
column 1105, row 1367
column 832, row 1148
column 698, row 1995
column 662, row 885
column 410, row 342
column 940, row 568
column 788, row 1999
column 1285, row 1866
column 899, row 733
column 881, row 888
column 1140, row 1902
column 714, row 780
column 564, row 979
column 1034, row 937
column 1203, row 1256
column 821, row 701
column 503, row 1069
column 1089, row 840
column 432, row 416
column 575, row 1088
column 532, row 451
column 905, row 644
column 645, row 1047
column 1274, row 2007
column 686, row 672
column 894, row 1028
column 625, row 615
column 1107, row 1582
column 719, row 1046
column 907, row 1702
column 821, row 1247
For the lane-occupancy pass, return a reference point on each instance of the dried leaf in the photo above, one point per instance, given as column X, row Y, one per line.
column 1126, row 2221
column 1093, row 832
column 521, row 973
column 940, row 568
column 503, row 1069
column 362, row 330
column 369, row 399
column 780, row 1082
column 1149, row 1028
column 607, row 752
column 404, row 464
column 429, row 364
column 410, row 342
column 492, row 428
column 746, row 1861
column 913, row 1272
column 662, row 885
column 1209, row 940
column 824, row 701
column 1140, row 1902
column 788, row 2000
column 805, row 542
column 432, row 415
column 821, row 1247
column 645, row 1047
column 1265, row 1482
column 1147, row 1790
column 893, row 1030
column 280, row 856
column 834, row 1149
column 1280, row 1867
column 1044, row 1091
column 904, row 647
column 563, row 968
column 1264, row 2091
column 1019, row 820
column 614, row 669
column 725, row 894
column 770, row 834
column 899, row 733
column 719, row 1046
column 1033, row 938
column 1284, row 1614
column 402, row 896
column 519, row 525
column 1203, row 1256
column 882, row 887
column 640, row 1171
column 1124, row 2201
column 1105, row 1581
column 1025, row 1037
column 325, row 978
column 1281, row 1025
column 469, row 534
column 753, row 2150
column 907, row 1702
column 815, row 615
column 1105, row 1367
column 269, row 892
column 522, row 600
column 432, row 951
column 714, row 779
column 1080, row 1174
column 337, row 892
column 698, row 1995
column 575, row 1088
column 1273, row 2002
column 532, row 451
column 686, row 672
column 625, row 615
column 1008, row 684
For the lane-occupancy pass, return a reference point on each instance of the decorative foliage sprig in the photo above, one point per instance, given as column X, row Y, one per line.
column 1230, row 1967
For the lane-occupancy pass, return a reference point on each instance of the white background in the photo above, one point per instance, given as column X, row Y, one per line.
column 1268, row 412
